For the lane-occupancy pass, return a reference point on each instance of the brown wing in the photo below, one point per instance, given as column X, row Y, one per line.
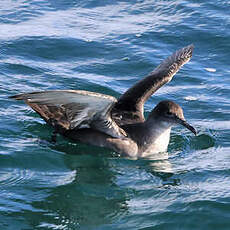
column 74, row 109
column 130, row 106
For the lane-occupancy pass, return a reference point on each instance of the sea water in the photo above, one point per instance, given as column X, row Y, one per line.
column 105, row 47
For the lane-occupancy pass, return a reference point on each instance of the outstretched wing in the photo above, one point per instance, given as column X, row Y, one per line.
column 74, row 109
column 130, row 106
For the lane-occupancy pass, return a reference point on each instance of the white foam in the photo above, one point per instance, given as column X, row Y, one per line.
column 212, row 70
column 190, row 98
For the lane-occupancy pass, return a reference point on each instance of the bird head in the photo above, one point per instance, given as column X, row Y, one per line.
column 171, row 114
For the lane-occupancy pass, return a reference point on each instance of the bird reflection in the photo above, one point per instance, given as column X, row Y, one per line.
column 100, row 187
column 160, row 166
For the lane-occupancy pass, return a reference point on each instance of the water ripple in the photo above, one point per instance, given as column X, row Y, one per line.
column 11, row 177
column 81, row 20
column 106, row 46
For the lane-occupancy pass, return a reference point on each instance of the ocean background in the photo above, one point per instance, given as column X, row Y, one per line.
column 106, row 46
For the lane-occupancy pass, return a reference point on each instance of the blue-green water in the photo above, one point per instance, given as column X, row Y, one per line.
column 106, row 46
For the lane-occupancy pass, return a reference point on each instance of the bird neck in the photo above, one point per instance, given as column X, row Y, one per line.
column 157, row 128
column 157, row 136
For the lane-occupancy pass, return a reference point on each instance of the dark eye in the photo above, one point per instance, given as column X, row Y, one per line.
column 169, row 114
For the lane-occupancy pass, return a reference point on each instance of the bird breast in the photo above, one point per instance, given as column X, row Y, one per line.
column 159, row 142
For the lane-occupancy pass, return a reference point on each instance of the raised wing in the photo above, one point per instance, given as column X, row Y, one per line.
column 130, row 106
column 74, row 109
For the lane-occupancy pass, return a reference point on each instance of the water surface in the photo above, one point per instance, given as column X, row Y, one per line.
column 106, row 46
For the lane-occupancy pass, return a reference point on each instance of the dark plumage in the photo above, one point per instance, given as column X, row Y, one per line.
column 102, row 120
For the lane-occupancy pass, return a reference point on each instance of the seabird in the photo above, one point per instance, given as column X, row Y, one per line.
column 102, row 120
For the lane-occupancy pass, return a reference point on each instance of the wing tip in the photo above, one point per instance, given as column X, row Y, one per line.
column 180, row 57
column 190, row 46
column 188, row 50
column 17, row 97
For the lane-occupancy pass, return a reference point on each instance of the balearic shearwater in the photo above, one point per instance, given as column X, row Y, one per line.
column 104, row 121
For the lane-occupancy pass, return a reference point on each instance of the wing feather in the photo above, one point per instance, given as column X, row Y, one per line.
column 130, row 105
column 74, row 109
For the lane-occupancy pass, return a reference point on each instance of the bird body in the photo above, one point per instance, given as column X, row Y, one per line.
column 150, row 137
column 104, row 121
